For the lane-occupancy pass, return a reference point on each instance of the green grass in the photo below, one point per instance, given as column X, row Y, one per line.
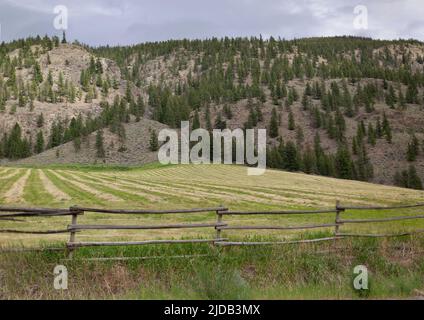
column 320, row 271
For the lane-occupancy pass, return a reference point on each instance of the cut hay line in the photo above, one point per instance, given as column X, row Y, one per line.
column 77, row 195
column 35, row 193
column 187, row 191
column 9, row 174
column 363, row 192
column 250, row 194
column 4, row 171
column 122, row 187
column 75, row 181
column 56, row 193
column 160, row 188
column 316, row 196
column 109, row 188
column 241, row 195
column 226, row 192
column 15, row 193
column 225, row 189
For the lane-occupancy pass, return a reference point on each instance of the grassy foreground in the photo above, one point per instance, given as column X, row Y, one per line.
column 325, row 271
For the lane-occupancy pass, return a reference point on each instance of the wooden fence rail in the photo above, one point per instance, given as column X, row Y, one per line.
column 10, row 214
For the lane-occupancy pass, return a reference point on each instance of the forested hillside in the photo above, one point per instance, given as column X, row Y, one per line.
column 345, row 107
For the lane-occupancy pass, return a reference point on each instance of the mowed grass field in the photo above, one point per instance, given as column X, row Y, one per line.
column 189, row 186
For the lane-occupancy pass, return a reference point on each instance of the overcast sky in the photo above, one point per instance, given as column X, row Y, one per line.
column 98, row 22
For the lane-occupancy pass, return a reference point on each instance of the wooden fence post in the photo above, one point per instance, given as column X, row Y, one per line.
column 338, row 211
column 218, row 222
column 75, row 214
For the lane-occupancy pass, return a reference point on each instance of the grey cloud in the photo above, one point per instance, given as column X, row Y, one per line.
column 112, row 22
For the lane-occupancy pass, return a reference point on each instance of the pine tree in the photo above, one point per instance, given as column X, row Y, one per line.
column 227, row 111
column 309, row 161
column 38, row 76
column 364, row 168
column 16, row 146
column 208, row 119
column 387, row 129
column 413, row 149
column 291, row 157
column 196, row 121
column 331, row 128
column 414, row 181
column 343, row 163
column 408, row 179
column 39, row 145
column 391, row 97
column 305, row 101
column 77, row 144
column 355, row 146
column 273, row 126
column 412, row 94
column 316, row 118
column 64, row 38
column 100, row 149
column 372, row 138
column 292, row 124
column 153, row 142
column 401, row 100
column 340, row 125
column 220, row 123
column 140, row 107
column 258, row 112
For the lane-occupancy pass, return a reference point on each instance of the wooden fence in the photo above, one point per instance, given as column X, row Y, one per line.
column 16, row 214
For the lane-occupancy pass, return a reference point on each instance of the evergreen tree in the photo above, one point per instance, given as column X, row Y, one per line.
column 387, row 129
column 227, row 111
column 100, row 149
column 343, row 163
column 414, row 181
column 408, row 179
column 364, row 168
column 196, row 121
column 208, row 119
column 413, row 149
column 39, row 145
column 291, row 157
column 220, row 123
column 292, row 124
column 372, row 138
column 153, row 142
column 64, row 38
column 273, row 126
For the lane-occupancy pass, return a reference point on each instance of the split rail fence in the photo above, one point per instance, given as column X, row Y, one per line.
column 219, row 225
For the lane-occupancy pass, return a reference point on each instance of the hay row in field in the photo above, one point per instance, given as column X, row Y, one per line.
column 191, row 185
